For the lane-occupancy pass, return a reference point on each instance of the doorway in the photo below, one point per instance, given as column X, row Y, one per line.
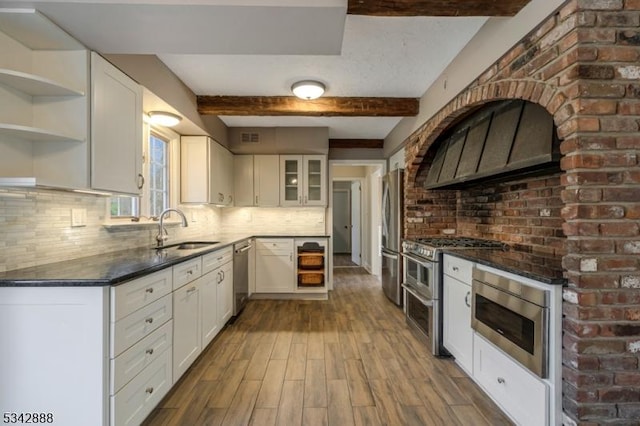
column 360, row 214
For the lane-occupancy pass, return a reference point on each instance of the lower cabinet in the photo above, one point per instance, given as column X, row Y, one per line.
column 274, row 265
column 209, row 307
column 457, row 334
column 187, row 342
column 519, row 393
column 225, row 294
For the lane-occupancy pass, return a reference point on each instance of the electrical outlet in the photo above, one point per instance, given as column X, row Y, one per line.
column 78, row 217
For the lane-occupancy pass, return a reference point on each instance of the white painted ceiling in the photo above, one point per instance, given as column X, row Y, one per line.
column 261, row 47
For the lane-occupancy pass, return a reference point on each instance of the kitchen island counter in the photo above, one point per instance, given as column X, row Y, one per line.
column 117, row 267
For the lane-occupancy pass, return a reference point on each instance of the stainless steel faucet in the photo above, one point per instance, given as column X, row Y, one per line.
column 162, row 233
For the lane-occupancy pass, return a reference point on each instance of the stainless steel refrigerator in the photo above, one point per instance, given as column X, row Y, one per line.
column 392, row 221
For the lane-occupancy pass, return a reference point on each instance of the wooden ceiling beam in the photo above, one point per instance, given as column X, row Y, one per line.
column 321, row 107
column 435, row 7
column 356, row 143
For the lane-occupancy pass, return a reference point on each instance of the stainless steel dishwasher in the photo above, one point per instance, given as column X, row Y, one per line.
column 240, row 275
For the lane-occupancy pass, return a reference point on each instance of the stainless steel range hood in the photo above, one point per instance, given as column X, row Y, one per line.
column 496, row 141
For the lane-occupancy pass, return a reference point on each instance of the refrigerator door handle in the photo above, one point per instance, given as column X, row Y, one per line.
column 390, row 256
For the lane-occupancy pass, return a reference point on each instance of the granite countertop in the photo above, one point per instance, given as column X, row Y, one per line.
column 117, row 267
column 540, row 267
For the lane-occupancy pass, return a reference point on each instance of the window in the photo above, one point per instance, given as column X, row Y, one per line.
column 158, row 193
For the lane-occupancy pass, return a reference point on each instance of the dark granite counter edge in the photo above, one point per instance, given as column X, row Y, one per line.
column 542, row 278
column 134, row 273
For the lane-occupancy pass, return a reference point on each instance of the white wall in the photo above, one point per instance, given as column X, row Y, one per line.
column 492, row 41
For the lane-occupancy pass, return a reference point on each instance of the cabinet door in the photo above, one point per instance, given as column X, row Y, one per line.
column 266, row 184
column 315, row 188
column 274, row 266
column 225, row 294
column 116, row 130
column 457, row 331
column 221, row 174
column 243, row 180
column 186, row 327
column 291, row 176
column 209, row 306
column 194, row 169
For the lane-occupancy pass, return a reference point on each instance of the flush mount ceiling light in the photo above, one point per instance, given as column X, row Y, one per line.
column 163, row 118
column 308, row 89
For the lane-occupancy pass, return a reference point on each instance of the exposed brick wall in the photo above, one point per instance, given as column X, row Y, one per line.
column 583, row 65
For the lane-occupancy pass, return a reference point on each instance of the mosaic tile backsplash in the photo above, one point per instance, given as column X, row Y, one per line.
column 35, row 226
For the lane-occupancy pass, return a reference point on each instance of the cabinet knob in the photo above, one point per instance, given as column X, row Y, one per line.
column 149, row 320
column 456, row 269
column 149, row 391
column 501, row 380
column 220, row 197
column 149, row 290
column 189, row 272
column 149, row 351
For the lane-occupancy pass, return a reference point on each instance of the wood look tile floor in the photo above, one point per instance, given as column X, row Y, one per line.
column 349, row 360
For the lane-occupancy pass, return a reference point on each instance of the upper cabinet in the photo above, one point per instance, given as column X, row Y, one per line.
column 303, row 180
column 44, row 112
column 256, row 180
column 116, row 129
column 206, row 171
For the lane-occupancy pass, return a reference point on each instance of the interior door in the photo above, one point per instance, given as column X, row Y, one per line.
column 355, row 222
column 341, row 221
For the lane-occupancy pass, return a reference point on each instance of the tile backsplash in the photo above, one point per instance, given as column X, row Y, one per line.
column 35, row 226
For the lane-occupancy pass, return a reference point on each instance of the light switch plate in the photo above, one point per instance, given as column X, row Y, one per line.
column 78, row 217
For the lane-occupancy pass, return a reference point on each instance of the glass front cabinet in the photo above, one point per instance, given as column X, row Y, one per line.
column 303, row 180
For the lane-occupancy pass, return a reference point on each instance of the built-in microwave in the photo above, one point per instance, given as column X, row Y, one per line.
column 514, row 317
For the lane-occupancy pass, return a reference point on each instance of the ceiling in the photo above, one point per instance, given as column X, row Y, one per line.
column 261, row 47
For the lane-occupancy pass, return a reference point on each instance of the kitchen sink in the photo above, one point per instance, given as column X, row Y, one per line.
column 188, row 245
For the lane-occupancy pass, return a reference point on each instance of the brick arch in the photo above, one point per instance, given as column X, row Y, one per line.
column 546, row 95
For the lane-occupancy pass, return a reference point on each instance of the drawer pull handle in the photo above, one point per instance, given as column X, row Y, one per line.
column 149, row 320
column 191, row 290
column 149, row 351
column 501, row 380
column 455, row 269
column 149, row 290
column 189, row 272
column 220, row 258
column 149, row 391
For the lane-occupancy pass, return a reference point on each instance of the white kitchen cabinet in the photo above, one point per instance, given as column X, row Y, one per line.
column 187, row 339
column 457, row 331
column 303, row 180
column 257, row 180
column 44, row 103
column 523, row 396
column 116, row 129
column 274, row 265
column 225, row 294
column 210, row 325
column 206, row 170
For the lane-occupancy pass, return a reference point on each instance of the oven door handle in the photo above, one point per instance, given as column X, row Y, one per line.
column 422, row 299
column 416, row 259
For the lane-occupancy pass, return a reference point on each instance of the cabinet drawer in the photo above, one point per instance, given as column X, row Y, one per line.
column 186, row 272
column 216, row 259
column 275, row 245
column 133, row 295
column 137, row 399
column 523, row 396
column 130, row 329
column 132, row 361
column 457, row 268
